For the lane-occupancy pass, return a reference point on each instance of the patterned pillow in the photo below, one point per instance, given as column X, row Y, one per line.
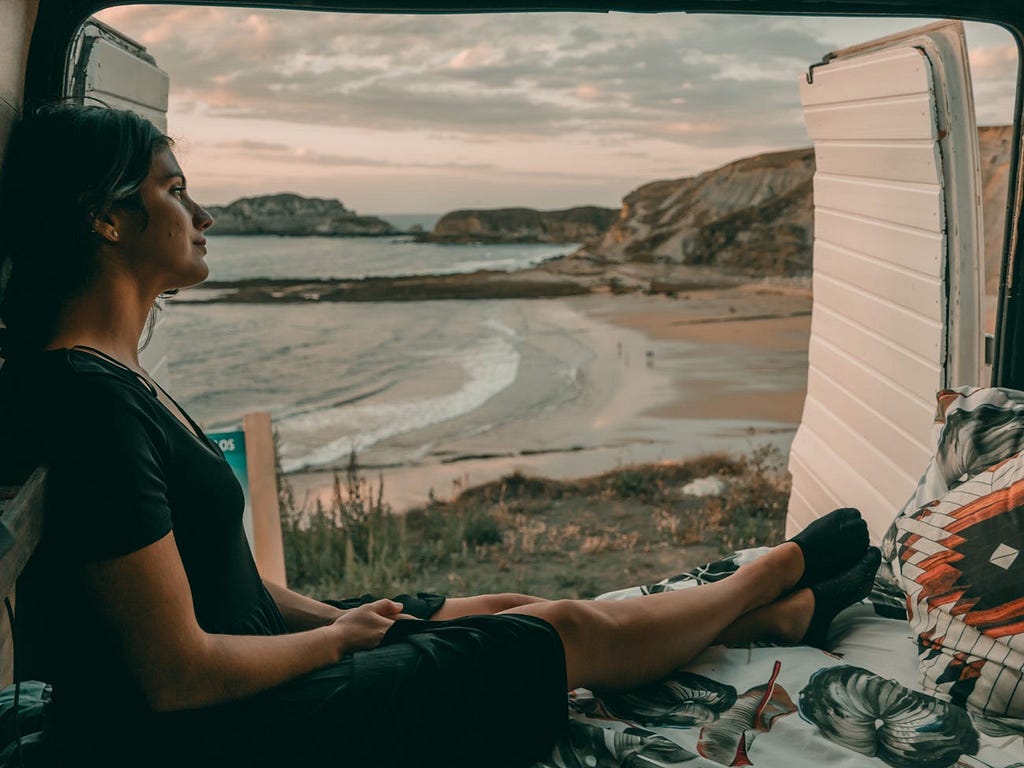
column 960, row 564
column 974, row 429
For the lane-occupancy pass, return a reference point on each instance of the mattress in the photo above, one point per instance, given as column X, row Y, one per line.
column 859, row 705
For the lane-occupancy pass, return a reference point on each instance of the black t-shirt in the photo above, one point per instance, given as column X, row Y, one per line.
column 122, row 473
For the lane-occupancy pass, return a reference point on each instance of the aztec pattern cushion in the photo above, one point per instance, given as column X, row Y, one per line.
column 955, row 548
column 974, row 430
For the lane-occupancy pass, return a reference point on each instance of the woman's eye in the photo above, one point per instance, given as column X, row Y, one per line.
column 179, row 191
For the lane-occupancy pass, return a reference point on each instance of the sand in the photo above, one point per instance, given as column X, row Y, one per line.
column 668, row 378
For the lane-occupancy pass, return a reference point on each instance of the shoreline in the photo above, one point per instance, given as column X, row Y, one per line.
column 557, row 277
column 671, row 378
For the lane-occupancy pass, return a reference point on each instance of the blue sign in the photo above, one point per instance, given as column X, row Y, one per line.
column 232, row 445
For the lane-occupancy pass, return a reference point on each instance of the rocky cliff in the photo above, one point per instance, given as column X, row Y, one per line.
column 288, row 214
column 755, row 216
column 522, row 225
column 752, row 216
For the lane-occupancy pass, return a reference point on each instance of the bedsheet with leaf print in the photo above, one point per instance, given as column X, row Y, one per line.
column 785, row 707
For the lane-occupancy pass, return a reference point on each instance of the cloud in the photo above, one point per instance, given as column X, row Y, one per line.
column 284, row 153
column 525, row 75
column 668, row 93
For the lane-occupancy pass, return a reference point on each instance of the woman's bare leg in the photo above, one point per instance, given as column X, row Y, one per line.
column 784, row 621
column 457, row 607
column 805, row 615
column 624, row 643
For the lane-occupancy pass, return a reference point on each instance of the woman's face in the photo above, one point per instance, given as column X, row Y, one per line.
column 169, row 251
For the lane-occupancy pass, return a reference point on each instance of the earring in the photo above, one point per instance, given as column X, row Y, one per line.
column 114, row 234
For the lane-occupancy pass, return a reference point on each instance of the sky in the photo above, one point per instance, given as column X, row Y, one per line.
column 410, row 114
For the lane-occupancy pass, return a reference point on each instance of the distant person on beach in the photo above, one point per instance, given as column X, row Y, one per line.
column 142, row 604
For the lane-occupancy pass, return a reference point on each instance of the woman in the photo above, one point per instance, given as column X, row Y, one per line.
column 142, row 604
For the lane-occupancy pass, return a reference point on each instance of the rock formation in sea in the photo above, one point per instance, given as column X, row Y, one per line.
column 755, row 216
column 288, row 214
column 521, row 225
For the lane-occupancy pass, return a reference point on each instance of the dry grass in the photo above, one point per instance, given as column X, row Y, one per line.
column 548, row 537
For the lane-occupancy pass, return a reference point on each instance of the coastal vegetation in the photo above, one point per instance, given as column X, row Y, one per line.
column 553, row 538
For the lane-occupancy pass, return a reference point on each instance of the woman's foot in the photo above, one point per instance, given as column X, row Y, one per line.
column 774, row 573
column 831, row 544
column 805, row 616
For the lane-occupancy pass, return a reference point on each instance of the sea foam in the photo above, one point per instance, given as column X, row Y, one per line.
column 490, row 367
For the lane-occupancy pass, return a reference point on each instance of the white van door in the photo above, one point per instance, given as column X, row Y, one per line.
column 898, row 268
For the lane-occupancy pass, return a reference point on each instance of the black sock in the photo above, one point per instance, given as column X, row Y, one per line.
column 831, row 544
column 839, row 592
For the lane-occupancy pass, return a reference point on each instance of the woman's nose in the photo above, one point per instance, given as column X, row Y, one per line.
column 202, row 218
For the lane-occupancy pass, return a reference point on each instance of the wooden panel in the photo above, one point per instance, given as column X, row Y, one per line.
column 912, row 205
column 266, row 514
column 816, row 457
column 912, row 291
column 904, row 329
column 906, row 410
column 885, row 282
column 900, row 118
column 891, row 483
column 914, row 161
column 889, row 73
column 860, row 411
column 910, row 248
column 911, row 372
column 814, row 497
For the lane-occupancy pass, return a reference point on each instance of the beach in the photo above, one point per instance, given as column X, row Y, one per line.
column 653, row 378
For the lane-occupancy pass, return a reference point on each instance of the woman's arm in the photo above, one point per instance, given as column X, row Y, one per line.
column 301, row 612
column 145, row 595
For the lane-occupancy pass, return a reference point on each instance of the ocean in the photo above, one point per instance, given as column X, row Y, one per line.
column 338, row 377
column 241, row 257
column 436, row 389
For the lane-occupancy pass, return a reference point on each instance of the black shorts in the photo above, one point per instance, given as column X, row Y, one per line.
column 479, row 691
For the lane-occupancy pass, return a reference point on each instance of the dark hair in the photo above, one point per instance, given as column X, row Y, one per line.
column 65, row 165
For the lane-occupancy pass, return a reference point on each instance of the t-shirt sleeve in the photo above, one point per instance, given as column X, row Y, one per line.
column 106, row 494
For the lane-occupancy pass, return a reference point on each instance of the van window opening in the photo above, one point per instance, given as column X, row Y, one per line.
column 404, row 119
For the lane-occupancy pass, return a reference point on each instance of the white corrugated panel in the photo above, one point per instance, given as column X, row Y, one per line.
column 120, row 79
column 885, row 332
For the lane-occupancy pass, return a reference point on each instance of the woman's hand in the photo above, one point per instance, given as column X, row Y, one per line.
column 364, row 627
column 301, row 612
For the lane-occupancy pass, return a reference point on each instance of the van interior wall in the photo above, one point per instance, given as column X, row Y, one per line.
column 17, row 18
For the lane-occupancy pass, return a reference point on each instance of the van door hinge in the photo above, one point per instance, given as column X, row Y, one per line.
column 824, row 60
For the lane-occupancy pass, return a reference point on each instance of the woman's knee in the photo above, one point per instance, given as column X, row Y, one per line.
column 504, row 601
column 578, row 622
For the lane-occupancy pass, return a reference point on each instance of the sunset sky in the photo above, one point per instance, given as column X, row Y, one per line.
column 404, row 114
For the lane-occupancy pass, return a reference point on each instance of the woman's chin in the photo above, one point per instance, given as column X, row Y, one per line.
column 201, row 273
column 198, row 276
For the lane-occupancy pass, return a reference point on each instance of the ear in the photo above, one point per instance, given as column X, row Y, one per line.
column 105, row 226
